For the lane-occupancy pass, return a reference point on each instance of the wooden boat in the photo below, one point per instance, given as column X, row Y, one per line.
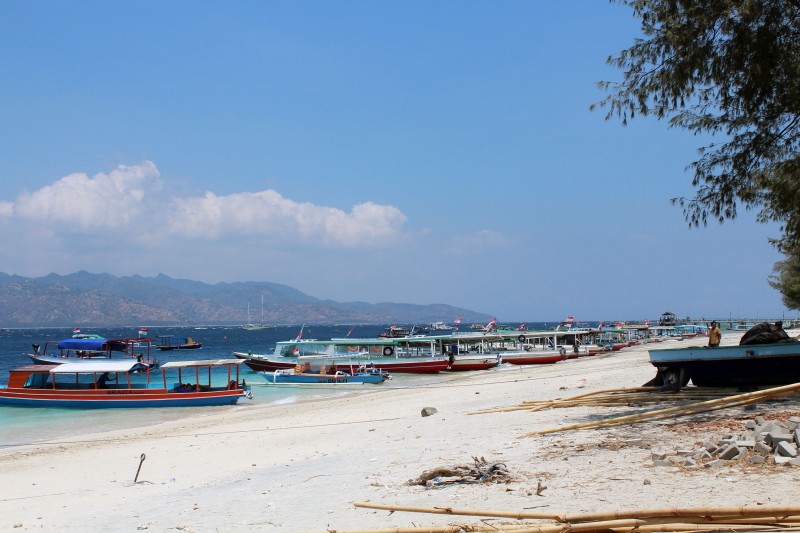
column 382, row 353
column 168, row 342
column 729, row 366
column 92, row 349
column 463, row 362
column 105, row 383
column 534, row 357
column 263, row 363
column 326, row 371
column 339, row 379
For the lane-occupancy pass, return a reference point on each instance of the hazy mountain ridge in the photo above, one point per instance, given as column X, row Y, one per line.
column 86, row 299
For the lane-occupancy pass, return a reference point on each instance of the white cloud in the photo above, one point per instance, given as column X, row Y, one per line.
column 128, row 203
column 79, row 203
column 268, row 213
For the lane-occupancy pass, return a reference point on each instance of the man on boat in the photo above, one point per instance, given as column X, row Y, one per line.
column 714, row 335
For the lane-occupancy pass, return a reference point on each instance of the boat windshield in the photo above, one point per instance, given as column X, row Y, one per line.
column 38, row 380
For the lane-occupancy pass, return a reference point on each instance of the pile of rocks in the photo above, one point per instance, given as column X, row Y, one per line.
column 763, row 441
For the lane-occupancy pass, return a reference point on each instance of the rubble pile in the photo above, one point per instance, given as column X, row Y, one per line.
column 763, row 441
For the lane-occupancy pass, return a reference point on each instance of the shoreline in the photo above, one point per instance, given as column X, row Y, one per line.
column 299, row 466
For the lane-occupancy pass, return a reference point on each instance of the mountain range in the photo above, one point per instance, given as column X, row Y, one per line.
column 86, row 299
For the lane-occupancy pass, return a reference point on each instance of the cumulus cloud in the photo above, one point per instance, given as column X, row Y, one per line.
column 268, row 213
column 92, row 204
column 128, row 202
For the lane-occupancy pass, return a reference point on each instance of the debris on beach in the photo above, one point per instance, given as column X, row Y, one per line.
column 479, row 471
column 770, row 442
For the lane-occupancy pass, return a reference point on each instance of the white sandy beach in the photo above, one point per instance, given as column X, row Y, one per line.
column 300, row 467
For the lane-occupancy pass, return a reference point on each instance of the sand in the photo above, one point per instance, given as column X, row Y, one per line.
column 300, row 467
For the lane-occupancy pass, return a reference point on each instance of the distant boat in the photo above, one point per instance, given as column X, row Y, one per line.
column 252, row 327
column 168, row 342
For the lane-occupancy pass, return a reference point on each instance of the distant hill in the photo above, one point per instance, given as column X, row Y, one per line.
column 86, row 299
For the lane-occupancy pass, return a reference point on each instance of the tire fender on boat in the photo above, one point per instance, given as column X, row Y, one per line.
column 521, row 338
column 562, row 351
column 388, row 350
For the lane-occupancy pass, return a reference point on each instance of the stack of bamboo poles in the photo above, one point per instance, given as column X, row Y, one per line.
column 700, row 519
column 712, row 400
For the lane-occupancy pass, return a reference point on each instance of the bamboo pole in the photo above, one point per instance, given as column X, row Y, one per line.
column 463, row 512
column 778, row 512
column 615, row 397
column 710, row 405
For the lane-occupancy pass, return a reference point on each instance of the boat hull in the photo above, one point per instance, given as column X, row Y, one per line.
column 389, row 364
column 340, row 380
column 733, row 366
column 115, row 398
column 464, row 363
column 532, row 358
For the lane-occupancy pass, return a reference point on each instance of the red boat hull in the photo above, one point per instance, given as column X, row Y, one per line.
column 541, row 359
column 389, row 364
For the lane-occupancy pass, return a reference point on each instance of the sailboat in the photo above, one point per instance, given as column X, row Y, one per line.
column 252, row 327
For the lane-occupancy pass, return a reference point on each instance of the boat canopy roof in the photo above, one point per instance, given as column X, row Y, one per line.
column 89, row 345
column 98, row 367
column 208, row 362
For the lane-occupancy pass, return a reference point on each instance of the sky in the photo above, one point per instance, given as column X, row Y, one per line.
column 379, row 151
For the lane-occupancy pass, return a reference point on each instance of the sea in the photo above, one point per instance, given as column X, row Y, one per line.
column 25, row 425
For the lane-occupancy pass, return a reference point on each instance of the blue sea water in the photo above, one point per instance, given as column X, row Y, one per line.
column 22, row 425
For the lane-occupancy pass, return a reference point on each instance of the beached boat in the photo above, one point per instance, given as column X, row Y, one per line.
column 326, row 371
column 288, row 377
column 462, row 362
column 728, row 366
column 390, row 354
column 92, row 349
column 168, row 342
column 534, row 357
column 104, row 383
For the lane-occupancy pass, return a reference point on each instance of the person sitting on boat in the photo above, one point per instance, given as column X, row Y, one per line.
column 298, row 368
column 185, row 387
column 101, row 381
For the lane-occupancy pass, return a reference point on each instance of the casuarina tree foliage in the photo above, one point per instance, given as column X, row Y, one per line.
column 731, row 69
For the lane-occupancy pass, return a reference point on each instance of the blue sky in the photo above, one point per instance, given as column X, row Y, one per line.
column 415, row 151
